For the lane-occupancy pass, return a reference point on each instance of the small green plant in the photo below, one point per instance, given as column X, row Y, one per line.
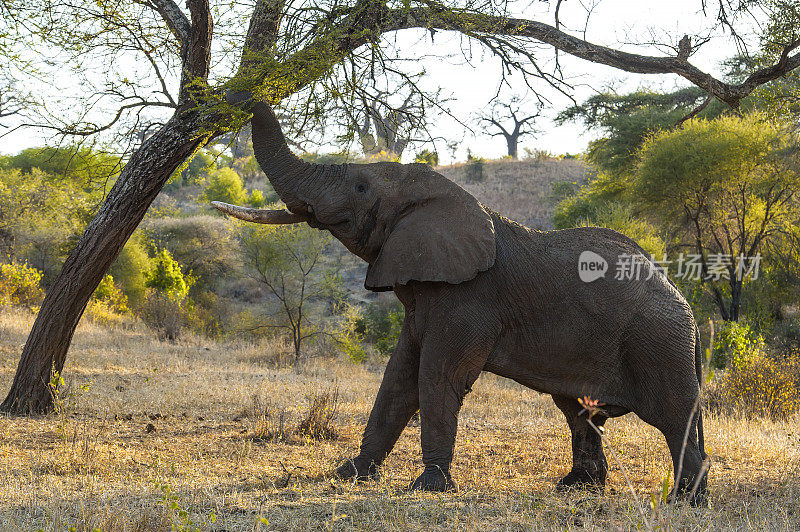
column 181, row 520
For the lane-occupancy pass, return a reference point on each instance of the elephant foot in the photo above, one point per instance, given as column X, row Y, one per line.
column 434, row 479
column 698, row 499
column 358, row 469
column 582, row 479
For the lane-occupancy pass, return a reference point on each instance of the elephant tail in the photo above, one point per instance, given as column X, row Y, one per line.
column 698, row 368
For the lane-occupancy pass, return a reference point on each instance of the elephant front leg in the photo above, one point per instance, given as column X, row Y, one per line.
column 397, row 401
column 444, row 381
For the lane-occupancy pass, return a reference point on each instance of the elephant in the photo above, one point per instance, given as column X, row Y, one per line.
column 483, row 293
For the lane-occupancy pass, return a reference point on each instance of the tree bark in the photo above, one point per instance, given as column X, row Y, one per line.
column 138, row 185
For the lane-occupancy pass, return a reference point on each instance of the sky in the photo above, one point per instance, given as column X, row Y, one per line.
column 470, row 87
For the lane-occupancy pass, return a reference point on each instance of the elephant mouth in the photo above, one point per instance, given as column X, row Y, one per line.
column 322, row 222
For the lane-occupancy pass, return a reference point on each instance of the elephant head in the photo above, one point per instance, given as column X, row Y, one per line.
column 407, row 221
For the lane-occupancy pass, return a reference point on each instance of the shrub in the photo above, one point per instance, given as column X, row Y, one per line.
column 163, row 314
column 224, row 184
column 759, row 386
column 474, row 168
column 736, row 343
column 381, row 324
column 101, row 313
column 20, row 285
column 317, row 424
column 256, row 199
column 350, row 335
column 108, row 292
column 269, row 421
column 428, row 157
column 202, row 243
column 130, row 269
column 108, row 304
column 165, row 308
column 166, row 276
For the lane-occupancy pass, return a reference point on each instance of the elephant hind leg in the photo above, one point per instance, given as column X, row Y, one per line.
column 589, row 466
column 687, row 460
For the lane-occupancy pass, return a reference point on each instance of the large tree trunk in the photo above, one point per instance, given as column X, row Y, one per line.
column 138, row 185
column 511, row 143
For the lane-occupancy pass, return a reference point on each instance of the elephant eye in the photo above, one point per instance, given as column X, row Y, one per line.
column 361, row 188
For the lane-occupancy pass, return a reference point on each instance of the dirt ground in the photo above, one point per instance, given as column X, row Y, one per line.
column 153, row 435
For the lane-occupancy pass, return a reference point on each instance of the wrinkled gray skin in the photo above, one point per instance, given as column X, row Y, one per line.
column 482, row 293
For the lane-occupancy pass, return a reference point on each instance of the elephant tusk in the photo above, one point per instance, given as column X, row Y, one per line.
column 259, row 216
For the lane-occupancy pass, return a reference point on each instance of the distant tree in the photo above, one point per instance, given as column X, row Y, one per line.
column 428, row 157
column 166, row 306
column 382, row 128
column 727, row 188
column 627, row 119
column 286, row 260
column 521, row 123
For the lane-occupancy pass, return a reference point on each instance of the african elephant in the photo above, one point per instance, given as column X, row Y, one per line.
column 483, row 293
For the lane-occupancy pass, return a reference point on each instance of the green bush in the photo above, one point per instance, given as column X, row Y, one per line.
column 735, row 344
column 381, row 324
column 256, row 199
column 427, row 157
column 225, row 185
column 130, row 269
column 109, row 293
column 108, row 305
column 167, row 277
column 20, row 285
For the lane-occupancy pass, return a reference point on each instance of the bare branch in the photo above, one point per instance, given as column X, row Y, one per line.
column 176, row 21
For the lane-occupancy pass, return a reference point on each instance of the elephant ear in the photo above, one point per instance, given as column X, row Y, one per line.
column 443, row 235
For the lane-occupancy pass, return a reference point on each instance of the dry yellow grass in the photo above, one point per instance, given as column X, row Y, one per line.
column 96, row 466
column 521, row 189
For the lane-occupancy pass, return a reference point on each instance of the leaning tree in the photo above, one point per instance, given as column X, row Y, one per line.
column 150, row 62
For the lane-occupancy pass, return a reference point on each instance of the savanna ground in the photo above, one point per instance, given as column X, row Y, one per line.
column 153, row 435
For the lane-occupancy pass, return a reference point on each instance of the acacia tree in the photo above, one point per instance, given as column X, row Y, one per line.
column 522, row 124
column 286, row 261
column 318, row 49
column 733, row 194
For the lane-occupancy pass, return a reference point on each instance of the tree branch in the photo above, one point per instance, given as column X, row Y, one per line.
column 472, row 23
column 176, row 21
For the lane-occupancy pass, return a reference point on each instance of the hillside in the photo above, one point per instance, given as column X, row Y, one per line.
column 519, row 190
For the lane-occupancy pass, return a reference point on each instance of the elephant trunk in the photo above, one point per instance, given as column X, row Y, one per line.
column 288, row 174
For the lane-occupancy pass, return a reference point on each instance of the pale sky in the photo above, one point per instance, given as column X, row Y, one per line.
column 614, row 23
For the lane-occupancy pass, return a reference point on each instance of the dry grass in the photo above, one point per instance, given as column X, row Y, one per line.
column 96, row 466
column 520, row 190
